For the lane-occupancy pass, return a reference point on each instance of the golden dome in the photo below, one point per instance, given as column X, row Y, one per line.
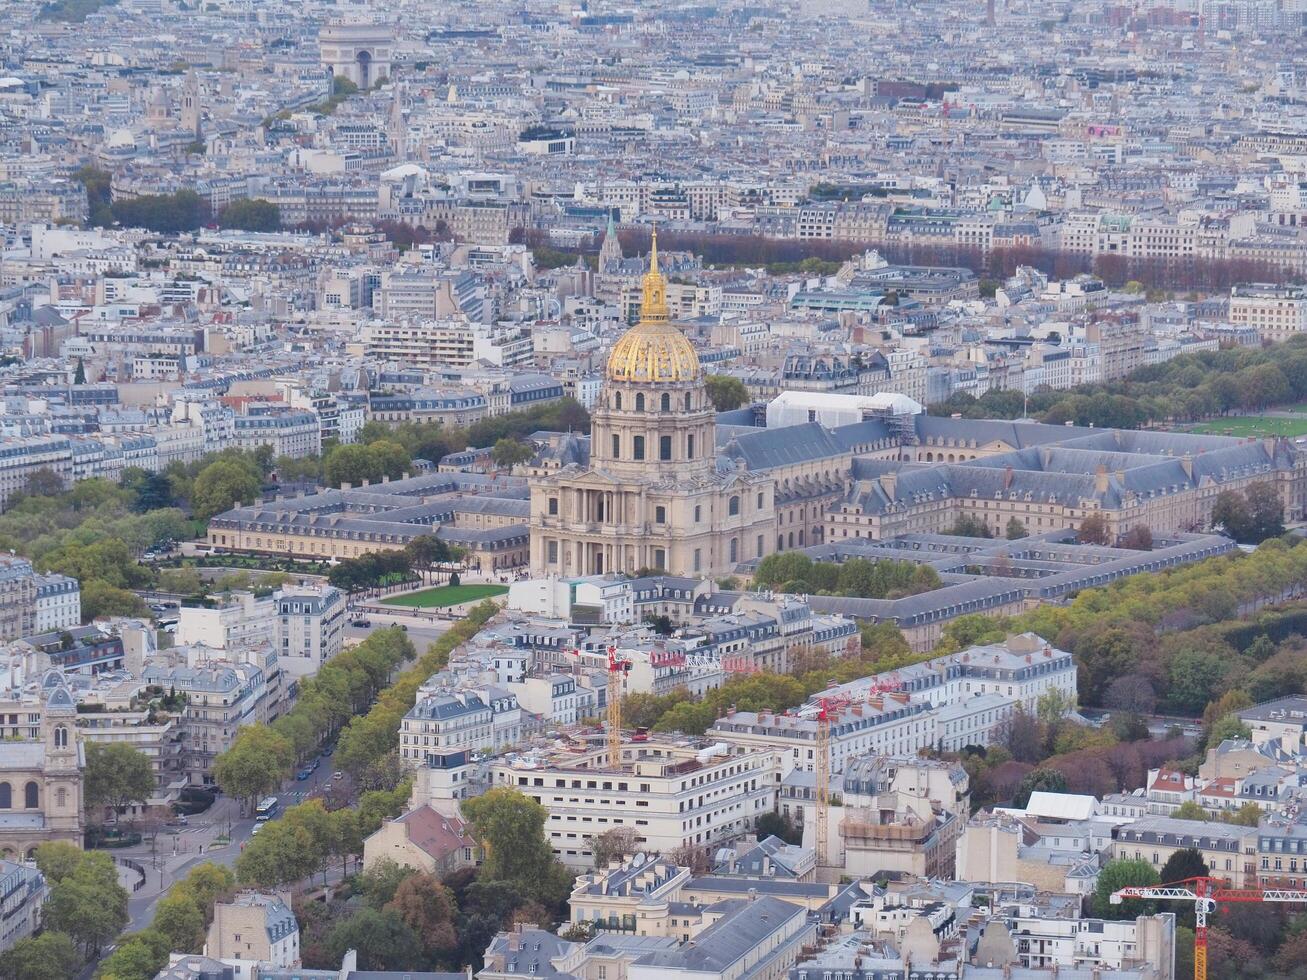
column 653, row 350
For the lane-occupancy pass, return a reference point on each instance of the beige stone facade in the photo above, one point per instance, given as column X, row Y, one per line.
column 41, row 777
column 652, row 495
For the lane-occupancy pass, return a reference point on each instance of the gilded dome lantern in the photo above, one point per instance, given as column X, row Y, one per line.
column 654, row 351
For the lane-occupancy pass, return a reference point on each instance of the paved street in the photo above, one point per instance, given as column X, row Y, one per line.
column 178, row 850
column 422, row 632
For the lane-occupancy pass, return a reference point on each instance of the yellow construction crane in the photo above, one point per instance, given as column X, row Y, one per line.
column 617, row 671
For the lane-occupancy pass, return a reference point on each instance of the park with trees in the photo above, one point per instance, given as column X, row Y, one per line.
column 1188, row 388
column 85, row 910
column 794, row 572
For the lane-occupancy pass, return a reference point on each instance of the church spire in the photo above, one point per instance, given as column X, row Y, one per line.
column 610, row 252
column 653, row 306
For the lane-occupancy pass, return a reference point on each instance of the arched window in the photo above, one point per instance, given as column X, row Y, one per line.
column 689, row 447
column 61, row 737
column 664, row 448
column 617, row 446
column 687, row 401
column 760, row 499
column 6, row 796
column 667, row 402
column 617, row 400
column 637, row 451
column 780, row 542
column 639, row 402
column 660, row 515
column 733, row 508
column 32, row 795
column 698, row 513
column 735, row 549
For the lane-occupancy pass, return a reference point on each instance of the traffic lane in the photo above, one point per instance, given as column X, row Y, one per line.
column 421, row 636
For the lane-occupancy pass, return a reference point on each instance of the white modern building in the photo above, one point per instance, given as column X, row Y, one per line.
column 832, row 409
column 305, row 624
column 243, row 622
column 671, row 795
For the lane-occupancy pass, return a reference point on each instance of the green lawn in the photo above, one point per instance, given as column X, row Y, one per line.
column 1254, row 425
column 445, row 595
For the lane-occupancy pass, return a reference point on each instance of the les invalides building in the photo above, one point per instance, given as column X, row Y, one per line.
column 654, row 494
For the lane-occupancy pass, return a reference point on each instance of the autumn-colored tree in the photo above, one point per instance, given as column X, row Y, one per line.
column 427, row 907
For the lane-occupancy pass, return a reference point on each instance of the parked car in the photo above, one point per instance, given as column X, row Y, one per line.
column 303, row 774
column 337, row 775
column 362, row 623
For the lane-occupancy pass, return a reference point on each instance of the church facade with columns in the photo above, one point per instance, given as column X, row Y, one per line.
column 655, row 494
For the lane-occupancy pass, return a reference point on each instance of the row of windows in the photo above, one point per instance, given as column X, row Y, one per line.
column 664, row 403
column 31, row 796
column 664, row 447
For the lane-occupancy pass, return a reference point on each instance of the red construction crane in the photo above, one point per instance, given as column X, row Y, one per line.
column 1206, row 893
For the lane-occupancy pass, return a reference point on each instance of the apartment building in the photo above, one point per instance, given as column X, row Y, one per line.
column 557, row 698
column 1282, row 853
column 158, row 736
column 446, row 342
column 954, row 700
column 1024, row 667
column 253, row 930
column 21, row 457
column 895, row 724
column 446, row 406
column 311, row 624
column 1276, row 312
column 291, row 432
column 18, row 588
column 23, row 891
column 1044, row 941
column 671, row 795
column 633, row 897
column 1229, row 850
column 438, row 725
column 221, row 697
column 1121, row 346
